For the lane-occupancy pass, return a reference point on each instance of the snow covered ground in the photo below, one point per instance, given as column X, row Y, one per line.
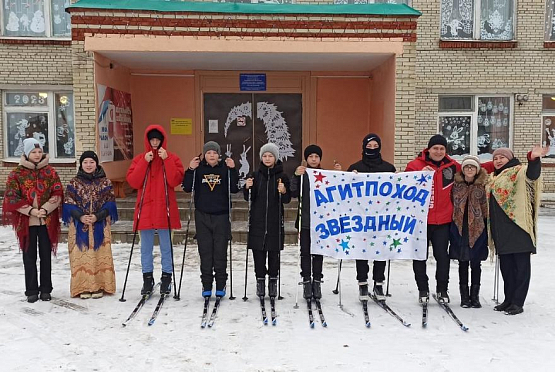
column 86, row 335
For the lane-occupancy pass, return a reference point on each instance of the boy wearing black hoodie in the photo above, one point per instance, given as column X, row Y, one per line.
column 214, row 180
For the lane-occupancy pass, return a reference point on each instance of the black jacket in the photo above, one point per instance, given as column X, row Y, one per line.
column 211, row 186
column 508, row 237
column 264, row 220
column 376, row 165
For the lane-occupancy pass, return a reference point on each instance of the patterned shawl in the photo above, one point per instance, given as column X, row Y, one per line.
column 475, row 196
column 90, row 193
column 518, row 196
column 25, row 183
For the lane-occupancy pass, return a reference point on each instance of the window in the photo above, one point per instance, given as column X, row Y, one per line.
column 35, row 18
column 46, row 116
column 550, row 20
column 477, row 19
column 475, row 125
column 548, row 124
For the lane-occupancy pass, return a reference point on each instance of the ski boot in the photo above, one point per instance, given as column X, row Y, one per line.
column 307, row 289
column 317, row 289
column 272, row 287
column 465, row 298
column 261, row 287
column 378, row 291
column 475, row 296
column 443, row 297
column 166, row 283
column 363, row 291
column 148, row 284
column 423, row 296
column 220, row 292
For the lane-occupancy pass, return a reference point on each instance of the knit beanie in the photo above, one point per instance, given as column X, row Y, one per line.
column 438, row 139
column 211, row 145
column 271, row 148
column 471, row 160
column 504, row 151
column 88, row 155
column 372, row 153
column 312, row 149
column 155, row 133
column 29, row 144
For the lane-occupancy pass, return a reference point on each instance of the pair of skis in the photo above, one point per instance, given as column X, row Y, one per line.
column 311, row 314
column 384, row 307
column 446, row 308
column 272, row 310
column 141, row 304
column 209, row 321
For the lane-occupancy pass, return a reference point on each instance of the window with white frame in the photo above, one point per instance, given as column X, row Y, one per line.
column 548, row 124
column 45, row 116
column 475, row 125
column 550, row 20
column 477, row 19
column 35, row 18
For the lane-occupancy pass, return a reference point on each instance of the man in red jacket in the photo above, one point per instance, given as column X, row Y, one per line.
column 149, row 167
column 434, row 158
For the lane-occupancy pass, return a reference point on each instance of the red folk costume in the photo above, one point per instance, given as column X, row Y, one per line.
column 30, row 186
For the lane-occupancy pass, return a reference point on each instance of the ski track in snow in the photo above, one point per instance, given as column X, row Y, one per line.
column 69, row 334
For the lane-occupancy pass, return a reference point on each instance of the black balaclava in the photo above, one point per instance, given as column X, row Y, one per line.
column 371, row 153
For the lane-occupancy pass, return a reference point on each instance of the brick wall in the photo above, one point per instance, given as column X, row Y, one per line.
column 526, row 67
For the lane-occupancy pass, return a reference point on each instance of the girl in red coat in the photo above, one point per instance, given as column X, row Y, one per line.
column 151, row 165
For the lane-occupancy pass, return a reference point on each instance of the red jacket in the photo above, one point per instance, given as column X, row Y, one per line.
column 441, row 206
column 153, row 213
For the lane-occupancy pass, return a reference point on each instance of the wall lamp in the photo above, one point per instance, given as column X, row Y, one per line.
column 521, row 98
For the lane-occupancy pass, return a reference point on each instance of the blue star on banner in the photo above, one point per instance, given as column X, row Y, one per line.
column 344, row 244
column 422, row 179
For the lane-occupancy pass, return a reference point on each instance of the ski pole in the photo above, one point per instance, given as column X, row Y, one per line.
column 231, row 297
column 388, row 271
column 336, row 290
column 280, row 216
column 169, row 224
column 122, row 299
column 245, row 298
column 300, row 211
column 177, row 296
column 496, row 281
column 339, row 284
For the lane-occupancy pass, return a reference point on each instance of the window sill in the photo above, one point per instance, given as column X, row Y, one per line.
column 548, row 163
column 62, row 163
column 549, row 44
column 477, row 44
column 41, row 41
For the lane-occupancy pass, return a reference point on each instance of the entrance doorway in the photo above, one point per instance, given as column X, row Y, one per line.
column 242, row 122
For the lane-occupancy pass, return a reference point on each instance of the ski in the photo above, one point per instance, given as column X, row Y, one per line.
column 157, row 309
column 273, row 310
column 450, row 312
column 321, row 313
column 424, row 314
column 214, row 312
column 310, row 315
column 388, row 310
column 205, row 312
column 365, row 310
column 140, row 305
column 263, row 309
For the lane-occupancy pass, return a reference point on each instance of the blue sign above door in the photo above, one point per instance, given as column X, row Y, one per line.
column 252, row 82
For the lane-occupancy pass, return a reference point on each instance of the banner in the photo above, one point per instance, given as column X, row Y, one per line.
column 369, row 216
column 115, row 124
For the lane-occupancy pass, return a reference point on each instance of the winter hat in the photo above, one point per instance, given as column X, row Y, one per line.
column 271, row 148
column 88, row 155
column 29, row 144
column 438, row 139
column 155, row 133
column 211, row 145
column 312, row 149
column 371, row 153
column 504, row 151
column 471, row 160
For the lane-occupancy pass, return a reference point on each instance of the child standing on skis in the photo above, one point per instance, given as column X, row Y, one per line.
column 213, row 180
column 309, row 262
column 156, row 172
column 270, row 186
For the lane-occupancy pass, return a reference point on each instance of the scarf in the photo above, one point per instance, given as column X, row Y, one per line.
column 473, row 195
column 27, row 182
column 517, row 196
column 88, row 194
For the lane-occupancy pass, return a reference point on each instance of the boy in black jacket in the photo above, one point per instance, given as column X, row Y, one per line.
column 371, row 162
column 311, row 288
column 266, row 233
column 213, row 179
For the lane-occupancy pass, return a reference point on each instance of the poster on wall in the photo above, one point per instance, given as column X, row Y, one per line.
column 115, row 124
